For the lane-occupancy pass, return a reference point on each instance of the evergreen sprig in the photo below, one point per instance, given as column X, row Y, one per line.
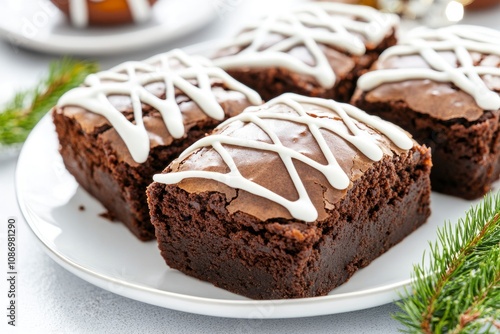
column 459, row 292
column 20, row 115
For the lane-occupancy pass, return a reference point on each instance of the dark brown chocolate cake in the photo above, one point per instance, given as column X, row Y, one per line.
column 127, row 123
column 319, row 49
column 289, row 199
column 448, row 101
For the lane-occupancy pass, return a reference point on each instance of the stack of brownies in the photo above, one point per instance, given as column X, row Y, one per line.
column 289, row 198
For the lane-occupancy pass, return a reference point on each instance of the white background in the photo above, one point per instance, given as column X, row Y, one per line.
column 51, row 300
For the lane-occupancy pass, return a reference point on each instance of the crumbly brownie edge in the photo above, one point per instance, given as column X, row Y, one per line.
column 117, row 185
column 465, row 155
column 290, row 259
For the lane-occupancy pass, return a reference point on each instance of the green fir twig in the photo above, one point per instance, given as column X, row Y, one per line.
column 20, row 115
column 460, row 290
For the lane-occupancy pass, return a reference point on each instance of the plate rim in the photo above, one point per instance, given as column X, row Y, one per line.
column 225, row 307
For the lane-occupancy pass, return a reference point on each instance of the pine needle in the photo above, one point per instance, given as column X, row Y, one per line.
column 460, row 290
column 20, row 115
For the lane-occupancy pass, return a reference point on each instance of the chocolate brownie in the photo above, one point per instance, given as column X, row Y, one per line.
column 290, row 199
column 126, row 124
column 443, row 87
column 318, row 49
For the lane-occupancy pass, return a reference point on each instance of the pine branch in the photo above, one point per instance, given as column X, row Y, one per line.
column 20, row 115
column 460, row 290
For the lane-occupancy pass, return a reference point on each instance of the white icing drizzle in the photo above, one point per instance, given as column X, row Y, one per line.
column 309, row 26
column 461, row 39
column 79, row 12
column 130, row 79
column 302, row 208
column 140, row 10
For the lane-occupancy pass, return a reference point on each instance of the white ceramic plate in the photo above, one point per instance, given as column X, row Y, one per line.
column 67, row 222
column 38, row 25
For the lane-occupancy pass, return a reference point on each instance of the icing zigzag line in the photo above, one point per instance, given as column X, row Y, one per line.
column 427, row 43
column 309, row 26
column 130, row 79
column 302, row 208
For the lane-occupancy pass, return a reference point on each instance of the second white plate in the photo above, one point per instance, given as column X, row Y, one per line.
column 38, row 25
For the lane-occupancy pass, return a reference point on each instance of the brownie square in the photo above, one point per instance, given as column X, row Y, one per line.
column 124, row 125
column 290, row 199
column 448, row 102
column 318, row 49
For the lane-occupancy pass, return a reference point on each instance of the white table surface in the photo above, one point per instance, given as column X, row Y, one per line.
column 51, row 300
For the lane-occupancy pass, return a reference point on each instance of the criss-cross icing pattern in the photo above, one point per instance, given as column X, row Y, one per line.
column 344, row 126
column 460, row 39
column 130, row 79
column 337, row 25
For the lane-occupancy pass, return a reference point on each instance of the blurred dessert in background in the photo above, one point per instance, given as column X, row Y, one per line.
column 83, row 13
column 469, row 4
column 479, row 4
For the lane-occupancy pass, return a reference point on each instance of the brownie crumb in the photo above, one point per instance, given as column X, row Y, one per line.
column 107, row 215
